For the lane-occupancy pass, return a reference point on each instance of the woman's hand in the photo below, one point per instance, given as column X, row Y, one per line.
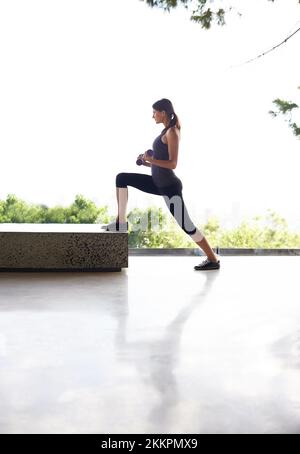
column 147, row 158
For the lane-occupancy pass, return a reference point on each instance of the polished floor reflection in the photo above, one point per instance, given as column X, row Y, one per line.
column 157, row 348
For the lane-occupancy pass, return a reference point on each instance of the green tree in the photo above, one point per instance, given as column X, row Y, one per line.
column 14, row 210
column 264, row 232
column 81, row 211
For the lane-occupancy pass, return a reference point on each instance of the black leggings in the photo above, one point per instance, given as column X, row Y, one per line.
column 171, row 194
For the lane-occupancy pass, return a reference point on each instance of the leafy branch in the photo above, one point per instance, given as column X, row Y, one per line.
column 287, row 109
column 202, row 14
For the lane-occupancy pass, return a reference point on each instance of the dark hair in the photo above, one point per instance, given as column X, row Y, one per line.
column 167, row 106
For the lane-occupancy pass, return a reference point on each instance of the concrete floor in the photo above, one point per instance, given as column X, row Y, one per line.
column 157, row 348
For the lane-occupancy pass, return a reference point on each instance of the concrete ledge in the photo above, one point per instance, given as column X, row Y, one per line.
column 61, row 247
column 223, row 252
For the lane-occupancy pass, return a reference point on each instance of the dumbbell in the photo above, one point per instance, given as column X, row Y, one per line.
column 140, row 161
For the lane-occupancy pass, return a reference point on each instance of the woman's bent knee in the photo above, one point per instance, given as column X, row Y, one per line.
column 121, row 180
column 197, row 236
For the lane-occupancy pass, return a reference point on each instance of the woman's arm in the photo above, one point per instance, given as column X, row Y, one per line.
column 163, row 163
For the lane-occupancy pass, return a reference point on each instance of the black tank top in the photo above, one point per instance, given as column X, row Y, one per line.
column 162, row 177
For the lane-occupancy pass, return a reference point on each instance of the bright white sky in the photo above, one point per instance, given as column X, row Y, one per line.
column 78, row 79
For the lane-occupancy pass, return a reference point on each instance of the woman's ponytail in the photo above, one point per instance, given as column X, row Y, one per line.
column 175, row 122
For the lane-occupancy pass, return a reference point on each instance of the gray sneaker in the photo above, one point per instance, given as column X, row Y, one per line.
column 115, row 226
column 208, row 265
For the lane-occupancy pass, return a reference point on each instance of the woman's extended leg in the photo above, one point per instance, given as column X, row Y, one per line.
column 204, row 245
column 176, row 205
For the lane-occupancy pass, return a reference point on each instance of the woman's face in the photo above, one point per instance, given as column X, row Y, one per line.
column 159, row 117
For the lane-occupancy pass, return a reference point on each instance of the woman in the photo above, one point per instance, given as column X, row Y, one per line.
column 163, row 182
